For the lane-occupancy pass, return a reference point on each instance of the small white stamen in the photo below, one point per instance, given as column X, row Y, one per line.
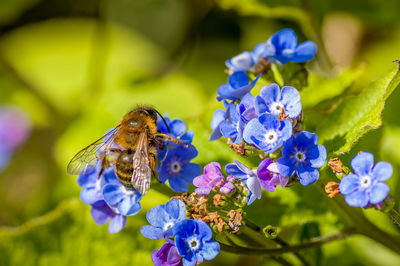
column 175, row 167
column 365, row 181
column 300, row 156
column 270, row 137
column 276, row 108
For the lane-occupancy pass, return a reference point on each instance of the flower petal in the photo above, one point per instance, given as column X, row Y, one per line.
column 304, row 52
column 306, row 139
column 285, row 167
column 358, row 198
column 152, row 232
column 117, row 223
column 382, row 171
column 291, row 101
column 177, row 127
column 269, row 121
column 129, row 205
column 228, row 130
column 362, row 163
column 307, row 174
column 190, row 171
column 317, row 156
column 218, row 117
column 113, row 194
column 210, row 250
column 233, row 170
column 270, row 93
column 178, row 184
column 378, row 192
column 253, row 129
column 238, row 79
column 349, row 184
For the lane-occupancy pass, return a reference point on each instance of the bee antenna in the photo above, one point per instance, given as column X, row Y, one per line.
column 165, row 123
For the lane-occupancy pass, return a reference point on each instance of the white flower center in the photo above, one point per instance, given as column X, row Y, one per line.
column 270, row 137
column 175, row 167
column 194, row 244
column 300, row 156
column 365, row 181
column 288, row 51
column 276, row 108
column 168, row 226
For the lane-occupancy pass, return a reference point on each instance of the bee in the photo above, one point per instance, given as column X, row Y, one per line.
column 133, row 144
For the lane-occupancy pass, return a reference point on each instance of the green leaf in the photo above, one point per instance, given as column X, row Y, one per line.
column 320, row 88
column 356, row 115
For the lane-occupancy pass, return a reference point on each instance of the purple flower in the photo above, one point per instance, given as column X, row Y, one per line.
column 267, row 133
column 269, row 176
column 102, row 214
column 211, row 177
column 248, row 176
column 238, row 85
column 228, row 186
column 240, row 62
column 163, row 219
column 302, row 155
column 167, row 255
column 366, row 184
column 272, row 100
column 125, row 199
column 282, row 46
column 193, row 241
column 177, row 168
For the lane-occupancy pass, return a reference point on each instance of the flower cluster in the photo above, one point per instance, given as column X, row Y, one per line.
column 14, row 130
column 188, row 241
column 174, row 159
column 281, row 47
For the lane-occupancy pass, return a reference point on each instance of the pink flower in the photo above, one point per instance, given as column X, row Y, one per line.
column 211, row 177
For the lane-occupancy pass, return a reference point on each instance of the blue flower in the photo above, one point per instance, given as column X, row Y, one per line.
column 126, row 200
column 193, row 241
column 302, row 155
column 282, row 46
column 177, row 168
column 218, row 117
column 233, row 129
column 102, row 214
column 92, row 184
column 366, row 184
column 248, row 176
column 163, row 219
column 167, row 255
column 238, row 85
column 241, row 62
column 273, row 101
column 267, row 133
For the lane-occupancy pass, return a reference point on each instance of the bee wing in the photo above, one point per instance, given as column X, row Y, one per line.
column 141, row 176
column 88, row 155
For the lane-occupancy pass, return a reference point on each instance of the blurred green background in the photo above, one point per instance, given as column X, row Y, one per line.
column 77, row 67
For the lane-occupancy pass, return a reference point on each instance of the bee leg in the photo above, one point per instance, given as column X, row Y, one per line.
column 153, row 158
column 104, row 160
column 165, row 137
column 103, row 164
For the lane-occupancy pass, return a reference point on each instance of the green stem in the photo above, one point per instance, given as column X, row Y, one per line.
column 315, row 242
